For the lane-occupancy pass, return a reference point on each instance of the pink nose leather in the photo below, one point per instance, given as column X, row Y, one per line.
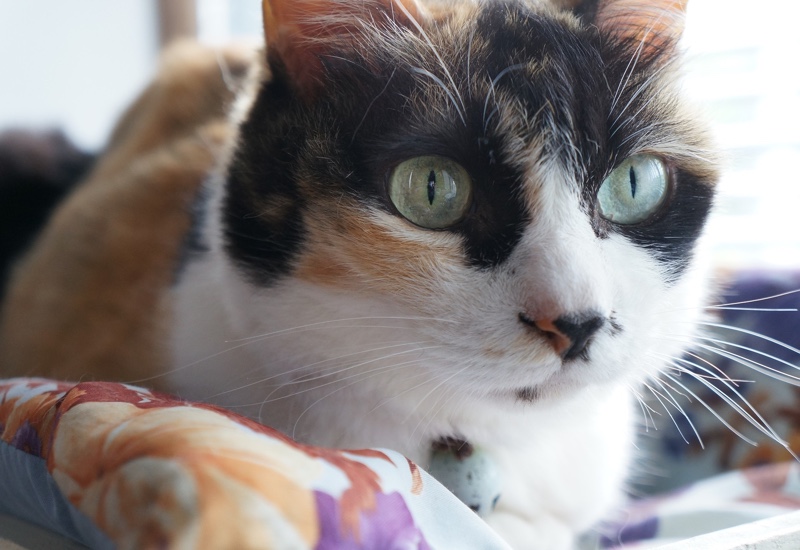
column 559, row 341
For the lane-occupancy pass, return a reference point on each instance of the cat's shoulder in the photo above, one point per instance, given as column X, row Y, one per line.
column 88, row 298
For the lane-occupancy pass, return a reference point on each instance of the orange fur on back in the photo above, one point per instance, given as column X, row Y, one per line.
column 88, row 301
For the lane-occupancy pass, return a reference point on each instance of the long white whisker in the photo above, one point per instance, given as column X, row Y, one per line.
column 316, row 363
column 763, row 426
column 392, row 398
column 755, row 300
column 722, row 374
column 433, row 414
column 751, row 333
column 666, row 387
column 343, row 320
column 766, row 370
column 316, row 376
column 370, row 374
column 709, row 408
column 647, row 410
column 658, row 396
column 771, row 309
column 424, row 397
column 252, row 339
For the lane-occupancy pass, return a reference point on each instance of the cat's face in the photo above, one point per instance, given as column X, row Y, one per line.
column 521, row 186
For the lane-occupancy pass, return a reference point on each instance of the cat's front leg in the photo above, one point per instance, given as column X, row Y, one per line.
column 546, row 532
column 567, row 475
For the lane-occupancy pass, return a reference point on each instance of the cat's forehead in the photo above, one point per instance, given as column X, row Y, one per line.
column 522, row 70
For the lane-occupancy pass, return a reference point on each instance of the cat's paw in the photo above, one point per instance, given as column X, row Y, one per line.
column 545, row 533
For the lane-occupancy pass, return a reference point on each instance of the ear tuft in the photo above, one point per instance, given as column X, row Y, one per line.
column 301, row 32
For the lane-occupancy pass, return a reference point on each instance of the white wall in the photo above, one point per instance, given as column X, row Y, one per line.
column 74, row 64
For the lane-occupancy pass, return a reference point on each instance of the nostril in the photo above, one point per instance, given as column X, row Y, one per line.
column 569, row 335
column 579, row 329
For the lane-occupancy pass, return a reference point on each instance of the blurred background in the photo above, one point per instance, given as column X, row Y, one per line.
column 76, row 64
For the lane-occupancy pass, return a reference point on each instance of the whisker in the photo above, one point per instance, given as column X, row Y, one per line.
column 316, row 363
column 658, row 396
column 723, row 374
column 433, row 414
column 709, row 408
column 424, row 397
column 370, row 374
column 371, row 103
column 493, row 83
column 751, row 333
column 641, row 89
column 270, row 399
column 628, row 72
column 666, row 387
column 444, row 87
column 392, row 398
column 357, row 365
column 435, row 52
column 763, row 426
column 784, row 309
column 258, row 338
column 756, row 300
column 647, row 410
column 766, row 370
column 347, row 319
column 469, row 58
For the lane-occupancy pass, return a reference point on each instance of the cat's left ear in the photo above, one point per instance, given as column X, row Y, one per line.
column 299, row 33
column 652, row 27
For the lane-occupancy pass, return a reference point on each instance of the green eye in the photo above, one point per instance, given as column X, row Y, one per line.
column 431, row 192
column 634, row 191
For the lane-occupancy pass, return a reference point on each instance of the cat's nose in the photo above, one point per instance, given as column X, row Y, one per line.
column 569, row 335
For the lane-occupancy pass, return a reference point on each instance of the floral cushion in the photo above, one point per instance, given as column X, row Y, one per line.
column 113, row 465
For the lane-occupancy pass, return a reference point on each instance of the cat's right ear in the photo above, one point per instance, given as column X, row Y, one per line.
column 299, row 33
column 652, row 27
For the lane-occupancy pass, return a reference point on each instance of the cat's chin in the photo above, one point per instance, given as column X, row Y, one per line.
column 543, row 394
column 552, row 391
column 528, row 395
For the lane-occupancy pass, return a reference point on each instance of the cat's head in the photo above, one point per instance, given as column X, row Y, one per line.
column 518, row 181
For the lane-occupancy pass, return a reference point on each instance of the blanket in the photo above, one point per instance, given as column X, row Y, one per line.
column 113, row 465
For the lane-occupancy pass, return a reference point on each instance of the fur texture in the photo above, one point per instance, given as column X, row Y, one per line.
column 305, row 299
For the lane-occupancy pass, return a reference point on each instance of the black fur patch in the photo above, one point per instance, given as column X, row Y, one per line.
column 264, row 169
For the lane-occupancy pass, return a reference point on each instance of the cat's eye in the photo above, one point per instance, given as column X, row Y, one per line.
column 431, row 191
column 634, row 191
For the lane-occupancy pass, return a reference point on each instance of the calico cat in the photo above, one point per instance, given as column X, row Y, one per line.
column 401, row 223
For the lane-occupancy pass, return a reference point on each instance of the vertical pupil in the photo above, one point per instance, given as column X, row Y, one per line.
column 632, row 176
column 431, row 187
